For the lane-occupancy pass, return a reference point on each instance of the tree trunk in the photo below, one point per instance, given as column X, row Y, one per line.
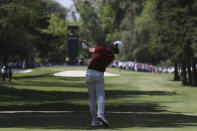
column 184, row 74
column 194, row 72
column 189, row 73
column 176, row 75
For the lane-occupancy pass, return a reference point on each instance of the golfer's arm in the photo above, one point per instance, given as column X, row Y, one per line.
column 88, row 47
column 91, row 50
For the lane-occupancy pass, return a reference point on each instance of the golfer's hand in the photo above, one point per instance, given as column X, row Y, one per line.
column 84, row 46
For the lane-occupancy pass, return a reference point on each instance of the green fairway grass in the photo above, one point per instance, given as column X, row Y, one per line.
column 135, row 101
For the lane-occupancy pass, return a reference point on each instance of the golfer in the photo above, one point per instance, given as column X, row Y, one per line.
column 95, row 79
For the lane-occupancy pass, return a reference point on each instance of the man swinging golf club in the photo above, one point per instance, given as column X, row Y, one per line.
column 95, row 79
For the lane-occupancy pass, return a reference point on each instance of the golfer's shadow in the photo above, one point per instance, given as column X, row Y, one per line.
column 124, row 115
column 80, row 120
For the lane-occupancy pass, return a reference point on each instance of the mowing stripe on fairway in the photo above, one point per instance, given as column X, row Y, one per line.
column 14, row 112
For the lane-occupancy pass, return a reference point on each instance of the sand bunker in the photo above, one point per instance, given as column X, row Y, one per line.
column 79, row 73
column 21, row 70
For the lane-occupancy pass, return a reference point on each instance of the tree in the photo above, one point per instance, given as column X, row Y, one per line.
column 55, row 49
column 175, row 31
column 22, row 23
column 17, row 17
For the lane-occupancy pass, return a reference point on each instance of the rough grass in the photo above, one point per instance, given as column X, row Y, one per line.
column 134, row 101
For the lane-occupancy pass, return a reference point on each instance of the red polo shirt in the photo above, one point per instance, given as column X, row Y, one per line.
column 101, row 59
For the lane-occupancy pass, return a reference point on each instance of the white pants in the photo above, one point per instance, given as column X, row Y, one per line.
column 95, row 83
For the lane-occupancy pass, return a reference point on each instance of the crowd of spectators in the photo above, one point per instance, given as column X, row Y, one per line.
column 141, row 67
column 23, row 65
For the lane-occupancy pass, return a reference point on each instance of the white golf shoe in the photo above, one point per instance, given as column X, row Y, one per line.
column 103, row 120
